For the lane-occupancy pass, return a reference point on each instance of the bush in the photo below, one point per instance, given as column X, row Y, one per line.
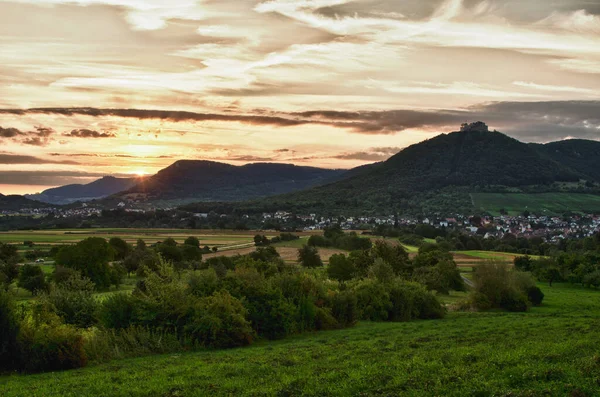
column 110, row 344
column 411, row 300
column 219, row 321
column 204, row 283
column 535, row 295
column 9, row 331
column 73, row 301
column 514, row 301
column 502, row 288
column 344, row 308
column 32, row 278
column 47, row 345
column 340, row 268
column 118, row 311
column 592, row 279
column 373, row 300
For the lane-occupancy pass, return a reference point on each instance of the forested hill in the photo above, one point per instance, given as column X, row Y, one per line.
column 438, row 175
column 213, row 181
column 98, row 189
column 580, row 155
column 15, row 203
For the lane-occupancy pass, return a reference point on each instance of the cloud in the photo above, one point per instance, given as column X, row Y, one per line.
column 7, row 158
column 373, row 154
column 508, row 116
column 167, row 115
column 47, row 178
column 39, row 137
column 9, row 132
column 85, row 133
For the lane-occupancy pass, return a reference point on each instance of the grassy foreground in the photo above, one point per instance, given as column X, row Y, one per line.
column 550, row 351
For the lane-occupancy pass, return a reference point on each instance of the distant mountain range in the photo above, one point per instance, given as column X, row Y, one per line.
column 197, row 180
column 16, row 202
column 95, row 190
column 440, row 174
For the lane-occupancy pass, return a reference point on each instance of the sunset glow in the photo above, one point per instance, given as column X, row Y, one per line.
column 126, row 87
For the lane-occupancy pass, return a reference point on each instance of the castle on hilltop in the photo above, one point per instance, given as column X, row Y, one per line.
column 478, row 126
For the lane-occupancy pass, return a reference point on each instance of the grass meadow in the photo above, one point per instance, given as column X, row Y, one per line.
column 551, row 350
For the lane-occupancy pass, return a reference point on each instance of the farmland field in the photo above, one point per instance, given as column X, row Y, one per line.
column 550, row 351
column 547, row 203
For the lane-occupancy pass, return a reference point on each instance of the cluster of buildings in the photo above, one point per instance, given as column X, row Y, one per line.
column 547, row 227
column 83, row 212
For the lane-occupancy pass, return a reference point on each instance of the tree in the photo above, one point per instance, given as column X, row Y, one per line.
column 309, row 257
column 340, row 268
column 140, row 245
column 260, row 240
column 73, row 301
column 32, row 279
column 395, row 255
column 91, row 258
column 121, row 248
column 193, row 241
column 191, row 253
column 523, row 263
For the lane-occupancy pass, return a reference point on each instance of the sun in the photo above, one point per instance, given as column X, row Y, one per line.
column 139, row 173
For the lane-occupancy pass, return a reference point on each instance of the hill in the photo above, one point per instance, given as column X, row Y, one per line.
column 439, row 175
column 198, row 180
column 16, row 202
column 101, row 188
column 582, row 156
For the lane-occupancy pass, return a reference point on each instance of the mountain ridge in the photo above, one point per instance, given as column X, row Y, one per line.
column 97, row 189
column 438, row 175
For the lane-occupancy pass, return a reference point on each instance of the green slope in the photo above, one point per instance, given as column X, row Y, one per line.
column 437, row 175
column 543, row 203
column 551, row 350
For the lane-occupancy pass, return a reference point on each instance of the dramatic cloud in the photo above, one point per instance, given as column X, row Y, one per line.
column 313, row 82
column 6, row 158
column 39, row 137
column 373, row 154
column 84, row 133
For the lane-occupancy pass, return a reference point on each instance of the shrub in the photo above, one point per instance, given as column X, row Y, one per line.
column 318, row 241
column 514, row 300
column 219, row 321
column 535, row 295
column 502, row 288
column 592, row 279
column 344, row 308
column 73, row 301
column 32, row 278
column 9, row 331
column 47, row 345
column 203, row 283
column 118, row 311
column 412, row 300
column 373, row 300
column 381, row 271
column 340, row 268
column 110, row 344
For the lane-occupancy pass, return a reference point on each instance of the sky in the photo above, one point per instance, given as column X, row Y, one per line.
column 126, row 87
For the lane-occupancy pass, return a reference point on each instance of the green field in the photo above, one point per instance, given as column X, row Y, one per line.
column 45, row 238
column 545, row 203
column 552, row 350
